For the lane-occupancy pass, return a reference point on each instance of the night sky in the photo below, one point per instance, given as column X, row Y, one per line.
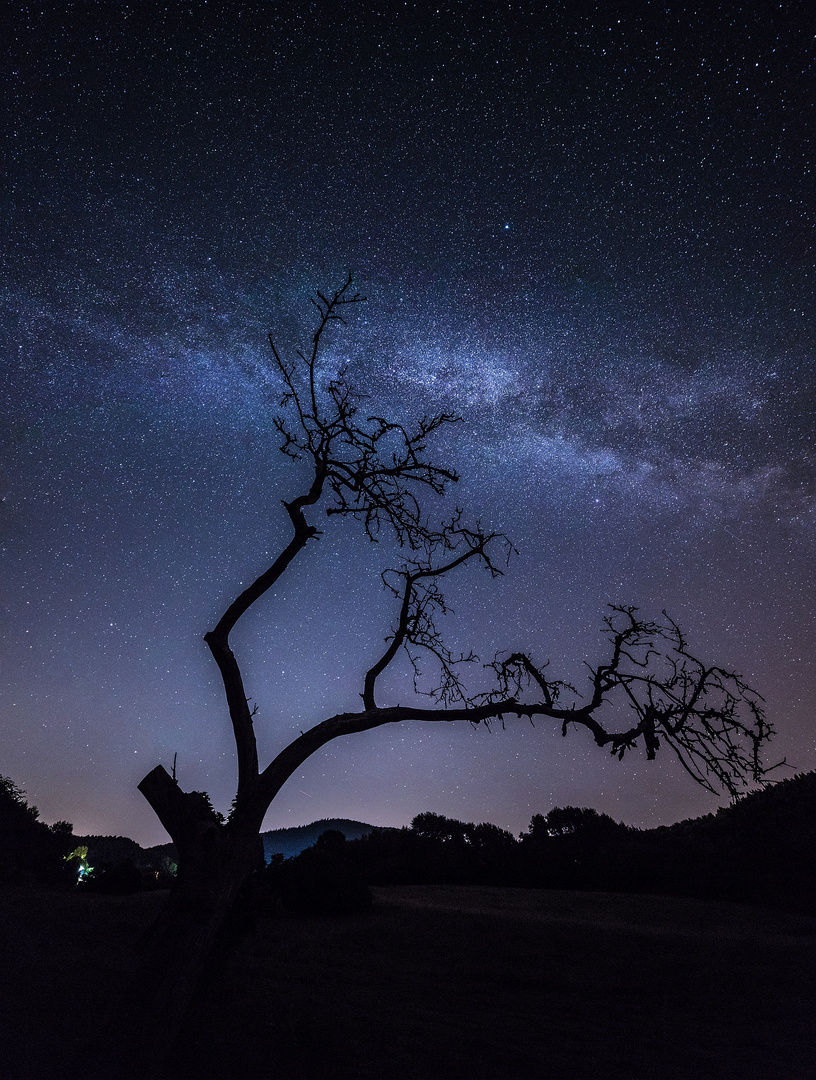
column 586, row 228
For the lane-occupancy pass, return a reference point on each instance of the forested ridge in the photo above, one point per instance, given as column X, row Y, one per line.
column 760, row 848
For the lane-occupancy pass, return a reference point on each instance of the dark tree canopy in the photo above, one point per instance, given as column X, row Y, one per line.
column 31, row 851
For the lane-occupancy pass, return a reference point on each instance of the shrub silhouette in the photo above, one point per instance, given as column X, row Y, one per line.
column 117, row 878
column 323, row 880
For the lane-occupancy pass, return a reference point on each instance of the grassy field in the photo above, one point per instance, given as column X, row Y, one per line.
column 433, row 982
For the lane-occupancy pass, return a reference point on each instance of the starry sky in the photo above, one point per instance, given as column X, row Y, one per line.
column 586, row 228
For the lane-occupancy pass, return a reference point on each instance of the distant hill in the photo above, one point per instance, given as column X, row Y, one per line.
column 290, row 842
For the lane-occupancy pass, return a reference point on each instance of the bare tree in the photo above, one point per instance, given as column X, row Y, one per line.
column 375, row 470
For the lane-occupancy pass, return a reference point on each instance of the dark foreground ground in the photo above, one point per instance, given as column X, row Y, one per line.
column 437, row 982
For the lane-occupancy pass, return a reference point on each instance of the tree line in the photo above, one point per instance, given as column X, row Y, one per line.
column 759, row 850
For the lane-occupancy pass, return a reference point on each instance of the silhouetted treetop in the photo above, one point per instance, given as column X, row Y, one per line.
column 371, row 465
column 708, row 716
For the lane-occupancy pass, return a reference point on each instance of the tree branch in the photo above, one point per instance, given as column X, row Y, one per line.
column 703, row 721
column 415, row 623
column 369, row 468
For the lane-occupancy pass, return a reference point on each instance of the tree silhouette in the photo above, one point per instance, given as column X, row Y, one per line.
column 375, row 470
column 31, row 851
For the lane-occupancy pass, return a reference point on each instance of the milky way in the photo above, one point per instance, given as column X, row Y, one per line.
column 587, row 232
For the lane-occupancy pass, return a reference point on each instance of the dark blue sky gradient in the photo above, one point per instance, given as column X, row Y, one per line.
column 588, row 229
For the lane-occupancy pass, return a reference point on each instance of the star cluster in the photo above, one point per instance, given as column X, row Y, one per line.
column 588, row 230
